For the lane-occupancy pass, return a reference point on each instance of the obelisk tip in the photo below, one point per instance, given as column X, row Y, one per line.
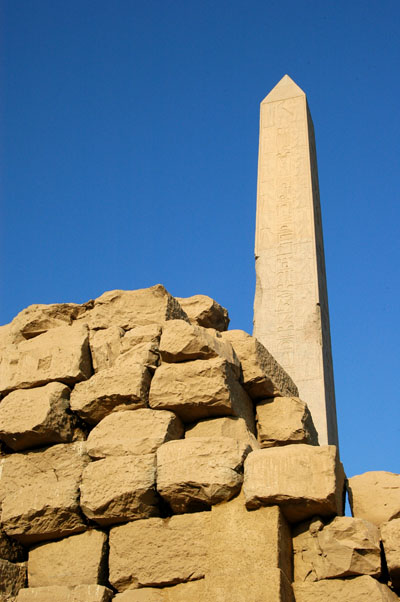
column 285, row 88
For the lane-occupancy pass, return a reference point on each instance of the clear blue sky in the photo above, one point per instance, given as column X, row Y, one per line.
column 129, row 157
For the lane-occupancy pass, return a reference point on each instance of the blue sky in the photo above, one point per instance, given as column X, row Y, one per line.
column 129, row 140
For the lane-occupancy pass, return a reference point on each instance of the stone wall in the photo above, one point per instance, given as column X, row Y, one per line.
column 150, row 454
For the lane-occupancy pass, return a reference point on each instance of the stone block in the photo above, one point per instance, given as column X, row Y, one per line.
column 75, row 560
column 195, row 473
column 150, row 333
column 116, row 388
column 204, row 311
column 60, row 354
column 165, row 551
column 284, row 420
column 343, row 548
column 12, row 578
column 133, row 433
column 38, row 319
column 10, row 549
column 271, row 585
column 105, row 346
column 192, row 591
column 62, row 593
column 390, row 532
column 303, row 480
column 200, row 389
column 36, row 417
column 230, row 426
column 344, row 590
column 262, row 375
column 119, row 489
column 375, row 496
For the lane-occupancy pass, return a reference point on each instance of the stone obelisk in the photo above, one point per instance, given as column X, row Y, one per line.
column 291, row 316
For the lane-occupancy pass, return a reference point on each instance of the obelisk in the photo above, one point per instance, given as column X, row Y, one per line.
column 291, row 316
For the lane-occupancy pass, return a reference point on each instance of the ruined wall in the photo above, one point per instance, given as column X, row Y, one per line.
column 150, row 454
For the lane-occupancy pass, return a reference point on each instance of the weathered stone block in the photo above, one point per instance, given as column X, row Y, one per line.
column 193, row 474
column 204, row 311
column 36, row 417
column 165, row 551
column 105, row 346
column 235, row 428
column 61, row 354
column 150, row 333
column 76, row 560
column 303, row 480
column 391, row 544
column 200, row 389
column 62, row 593
column 375, row 496
column 119, row 489
column 262, row 375
column 192, row 591
column 12, row 578
column 284, row 420
column 340, row 590
column 10, row 549
column 38, row 319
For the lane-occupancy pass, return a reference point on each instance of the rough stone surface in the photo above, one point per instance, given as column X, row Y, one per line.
column 116, row 388
column 200, row 389
column 166, row 551
column 303, row 480
column 128, row 309
column 271, row 586
column 344, row 590
column 204, row 311
column 284, row 420
column 112, row 345
column 36, row 417
column 262, row 375
column 150, row 333
column 194, row 473
column 375, row 496
column 343, row 548
column 62, row 593
column 105, row 346
column 133, row 433
column 38, row 319
column 61, row 354
column 119, row 489
column 391, row 544
column 10, row 549
column 192, row 591
column 235, row 428
column 12, row 577
column 76, row 560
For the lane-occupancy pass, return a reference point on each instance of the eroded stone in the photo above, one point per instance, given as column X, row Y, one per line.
column 62, row 593
column 375, row 496
column 391, row 544
column 340, row 590
column 230, row 426
column 204, row 311
column 12, row 578
column 284, row 420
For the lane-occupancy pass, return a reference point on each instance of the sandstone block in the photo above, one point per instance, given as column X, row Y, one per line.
column 38, row 319
column 181, row 341
column 75, row 560
column 271, row 585
column 112, row 345
column 284, row 420
column 10, row 549
column 200, row 389
column 61, row 354
column 36, row 417
column 105, row 346
column 165, row 551
column 391, row 544
column 192, row 591
column 133, row 433
column 150, row 333
column 262, row 375
column 195, row 473
column 235, row 428
column 340, row 590
column 204, row 311
column 110, row 390
column 128, row 309
column 119, row 489
column 146, row 354
column 343, row 548
column 62, row 593
column 12, row 578
column 303, row 480
column 375, row 496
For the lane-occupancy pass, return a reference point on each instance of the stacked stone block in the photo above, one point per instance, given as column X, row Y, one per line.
column 151, row 454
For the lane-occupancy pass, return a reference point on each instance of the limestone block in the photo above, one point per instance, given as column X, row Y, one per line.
column 36, row 417
column 10, row 549
column 230, row 426
column 12, row 577
column 271, row 585
column 181, row 341
column 344, row 590
column 60, row 354
column 146, row 354
column 40, row 493
column 150, row 333
column 105, row 346
column 303, row 480
column 284, row 420
column 38, row 319
column 345, row 547
column 200, row 389
column 390, row 532
column 262, row 375
column 195, row 473
column 119, row 489
column 133, row 433
column 62, row 593
column 110, row 390
column 75, row 560
column 128, row 309
column 375, row 496
column 192, row 591
column 165, row 551
column 204, row 311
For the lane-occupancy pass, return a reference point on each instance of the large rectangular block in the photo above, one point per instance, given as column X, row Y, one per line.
column 346, row 590
column 63, row 593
